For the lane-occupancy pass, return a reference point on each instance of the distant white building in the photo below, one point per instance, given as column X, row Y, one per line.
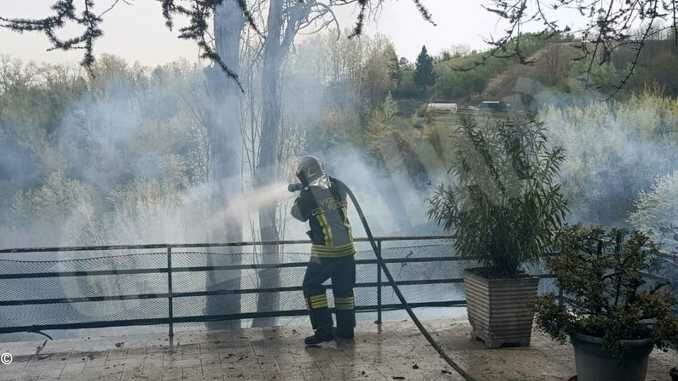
column 493, row 106
column 441, row 108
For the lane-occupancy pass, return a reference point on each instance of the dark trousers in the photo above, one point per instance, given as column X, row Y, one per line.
column 342, row 272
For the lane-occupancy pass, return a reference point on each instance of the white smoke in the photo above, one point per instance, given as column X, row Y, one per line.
column 614, row 151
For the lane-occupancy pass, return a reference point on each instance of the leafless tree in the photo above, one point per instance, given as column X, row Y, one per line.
column 223, row 124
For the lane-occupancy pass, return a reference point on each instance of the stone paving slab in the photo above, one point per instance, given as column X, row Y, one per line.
column 398, row 352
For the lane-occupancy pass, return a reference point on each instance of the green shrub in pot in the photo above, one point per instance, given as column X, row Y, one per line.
column 504, row 205
column 615, row 314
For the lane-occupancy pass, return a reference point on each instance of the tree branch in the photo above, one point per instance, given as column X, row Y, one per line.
column 608, row 20
column 199, row 13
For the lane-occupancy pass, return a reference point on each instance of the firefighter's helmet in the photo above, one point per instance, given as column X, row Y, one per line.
column 309, row 169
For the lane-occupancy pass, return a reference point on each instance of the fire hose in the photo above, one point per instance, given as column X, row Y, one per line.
column 396, row 289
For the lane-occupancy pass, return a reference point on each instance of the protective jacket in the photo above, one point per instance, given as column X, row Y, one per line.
column 326, row 210
column 323, row 204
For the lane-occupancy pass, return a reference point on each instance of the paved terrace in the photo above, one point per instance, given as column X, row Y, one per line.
column 398, row 353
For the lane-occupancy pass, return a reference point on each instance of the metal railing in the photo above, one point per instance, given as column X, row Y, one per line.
column 171, row 295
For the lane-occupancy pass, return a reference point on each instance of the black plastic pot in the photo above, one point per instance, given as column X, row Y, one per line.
column 595, row 364
column 674, row 374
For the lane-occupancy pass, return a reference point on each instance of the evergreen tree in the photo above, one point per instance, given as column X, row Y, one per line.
column 423, row 75
column 393, row 65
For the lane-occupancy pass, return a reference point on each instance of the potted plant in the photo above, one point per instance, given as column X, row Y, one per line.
column 504, row 207
column 614, row 315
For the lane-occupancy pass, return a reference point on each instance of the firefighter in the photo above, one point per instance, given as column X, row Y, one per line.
column 322, row 202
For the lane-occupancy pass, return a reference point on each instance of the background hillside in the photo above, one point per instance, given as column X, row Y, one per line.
column 89, row 160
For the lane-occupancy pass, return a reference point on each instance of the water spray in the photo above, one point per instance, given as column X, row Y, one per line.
column 298, row 187
column 250, row 202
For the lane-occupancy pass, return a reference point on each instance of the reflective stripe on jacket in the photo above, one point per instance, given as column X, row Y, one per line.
column 326, row 211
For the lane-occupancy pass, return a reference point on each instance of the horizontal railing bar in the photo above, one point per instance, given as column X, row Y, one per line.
column 192, row 294
column 233, row 292
column 189, row 294
column 398, row 306
column 406, row 238
column 61, row 274
column 85, row 325
column 252, row 266
column 303, row 264
column 81, row 299
column 414, row 260
column 206, row 318
column 64, row 274
column 205, row 245
column 412, row 282
column 299, row 288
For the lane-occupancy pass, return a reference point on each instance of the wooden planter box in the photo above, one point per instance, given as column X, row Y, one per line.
column 501, row 311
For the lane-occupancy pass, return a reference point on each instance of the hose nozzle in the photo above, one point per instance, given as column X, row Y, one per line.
column 295, row 187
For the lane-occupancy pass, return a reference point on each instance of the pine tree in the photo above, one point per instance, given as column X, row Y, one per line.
column 423, row 75
column 393, row 65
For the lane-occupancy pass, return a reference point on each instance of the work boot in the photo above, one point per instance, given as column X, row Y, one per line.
column 318, row 338
column 345, row 334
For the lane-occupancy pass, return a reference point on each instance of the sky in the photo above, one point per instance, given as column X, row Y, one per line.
column 137, row 31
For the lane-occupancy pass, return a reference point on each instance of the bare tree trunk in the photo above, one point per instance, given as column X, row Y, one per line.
column 223, row 126
column 267, row 165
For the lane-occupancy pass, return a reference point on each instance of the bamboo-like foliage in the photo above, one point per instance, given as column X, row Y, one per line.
column 602, row 275
column 505, row 205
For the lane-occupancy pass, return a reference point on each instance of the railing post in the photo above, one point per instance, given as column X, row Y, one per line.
column 169, row 296
column 378, row 284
